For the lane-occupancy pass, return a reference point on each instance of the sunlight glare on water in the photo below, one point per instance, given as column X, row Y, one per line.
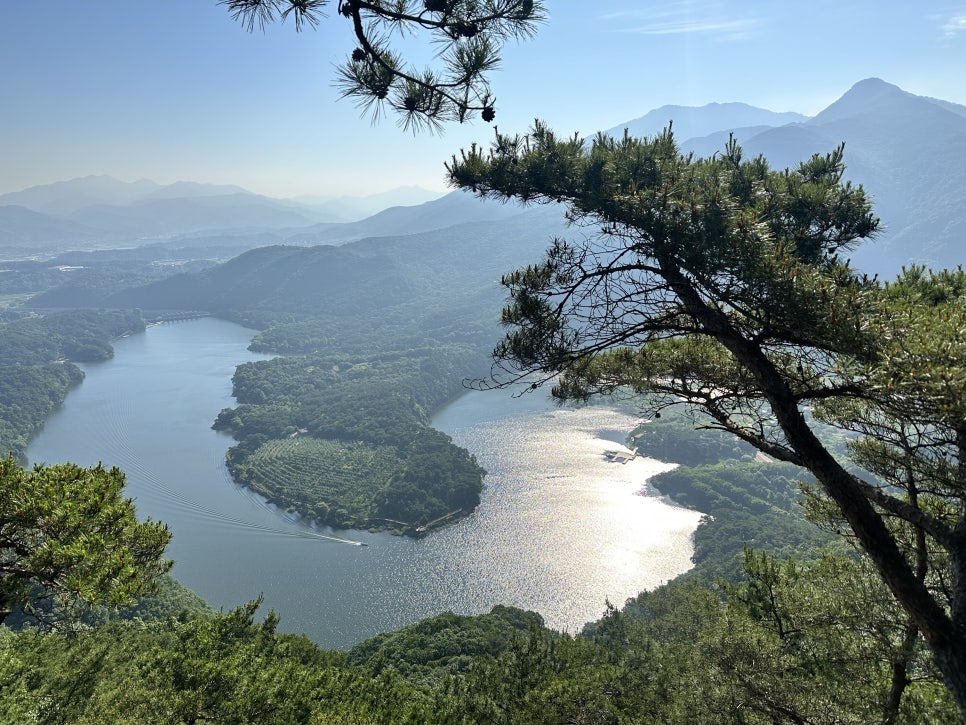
column 570, row 528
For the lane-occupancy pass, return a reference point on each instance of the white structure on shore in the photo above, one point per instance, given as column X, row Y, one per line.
column 620, row 456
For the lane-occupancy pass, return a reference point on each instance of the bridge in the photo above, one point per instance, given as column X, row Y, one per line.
column 159, row 316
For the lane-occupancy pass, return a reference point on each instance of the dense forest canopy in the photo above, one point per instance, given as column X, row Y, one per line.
column 792, row 644
column 68, row 535
column 345, row 439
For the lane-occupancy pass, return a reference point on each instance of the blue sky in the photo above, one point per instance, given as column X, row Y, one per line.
column 175, row 90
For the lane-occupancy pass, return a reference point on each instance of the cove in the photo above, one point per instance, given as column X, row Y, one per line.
column 559, row 530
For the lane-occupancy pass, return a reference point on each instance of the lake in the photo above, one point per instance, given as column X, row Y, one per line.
column 560, row 530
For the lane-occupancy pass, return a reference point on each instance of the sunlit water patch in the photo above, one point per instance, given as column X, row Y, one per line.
column 570, row 528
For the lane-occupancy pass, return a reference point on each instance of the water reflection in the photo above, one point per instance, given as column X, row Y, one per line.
column 559, row 530
column 568, row 527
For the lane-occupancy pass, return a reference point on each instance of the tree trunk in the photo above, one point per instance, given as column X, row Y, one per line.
column 951, row 660
column 900, row 675
column 945, row 633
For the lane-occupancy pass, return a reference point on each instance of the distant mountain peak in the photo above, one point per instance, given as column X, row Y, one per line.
column 868, row 96
column 697, row 121
column 65, row 197
column 180, row 189
column 907, row 150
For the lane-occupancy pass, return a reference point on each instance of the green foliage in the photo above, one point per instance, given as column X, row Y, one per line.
column 68, row 534
column 85, row 279
column 224, row 669
column 826, row 641
column 794, row 642
column 444, row 644
column 718, row 542
column 675, row 439
column 732, row 486
column 747, row 501
column 27, row 278
column 818, row 642
column 169, row 598
column 28, row 394
column 344, row 439
column 721, row 284
column 468, row 35
column 437, row 480
column 342, row 479
column 81, row 335
column 34, row 373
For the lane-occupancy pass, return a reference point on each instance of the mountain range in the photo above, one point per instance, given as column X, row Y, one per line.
column 908, row 152
column 440, row 283
column 696, row 121
column 103, row 212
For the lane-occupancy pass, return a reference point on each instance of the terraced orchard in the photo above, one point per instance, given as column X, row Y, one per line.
column 334, row 482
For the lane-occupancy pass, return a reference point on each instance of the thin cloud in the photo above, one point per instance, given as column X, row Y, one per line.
column 686, row 17
column 954, row 26
column 730, row 28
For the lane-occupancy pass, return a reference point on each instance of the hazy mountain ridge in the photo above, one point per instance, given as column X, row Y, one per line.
column 697, row 121
column 22, row 229
column 908, row 152
column 167, row 216
column 62, row 198
column 271, row 278
column 455, row 208
column 956, row 108
column 106, row 212
column 355, row 208
column 416, row 275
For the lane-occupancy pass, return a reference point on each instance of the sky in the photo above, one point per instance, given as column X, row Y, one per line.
column 174, row 90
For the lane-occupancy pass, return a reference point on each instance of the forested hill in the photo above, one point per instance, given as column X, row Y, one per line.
column 36, row 364
column 452, row 273
column 275, row 279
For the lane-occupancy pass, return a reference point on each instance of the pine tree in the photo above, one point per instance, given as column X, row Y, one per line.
column 721, row 284
column 468, row 34
column 69, row 537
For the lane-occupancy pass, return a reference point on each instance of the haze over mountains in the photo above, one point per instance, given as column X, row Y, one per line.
column 104, row 212
column 908, row 151
column 443, row 279
column 697, row 121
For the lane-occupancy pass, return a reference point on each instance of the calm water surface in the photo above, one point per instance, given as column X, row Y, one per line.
column 559, row 529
